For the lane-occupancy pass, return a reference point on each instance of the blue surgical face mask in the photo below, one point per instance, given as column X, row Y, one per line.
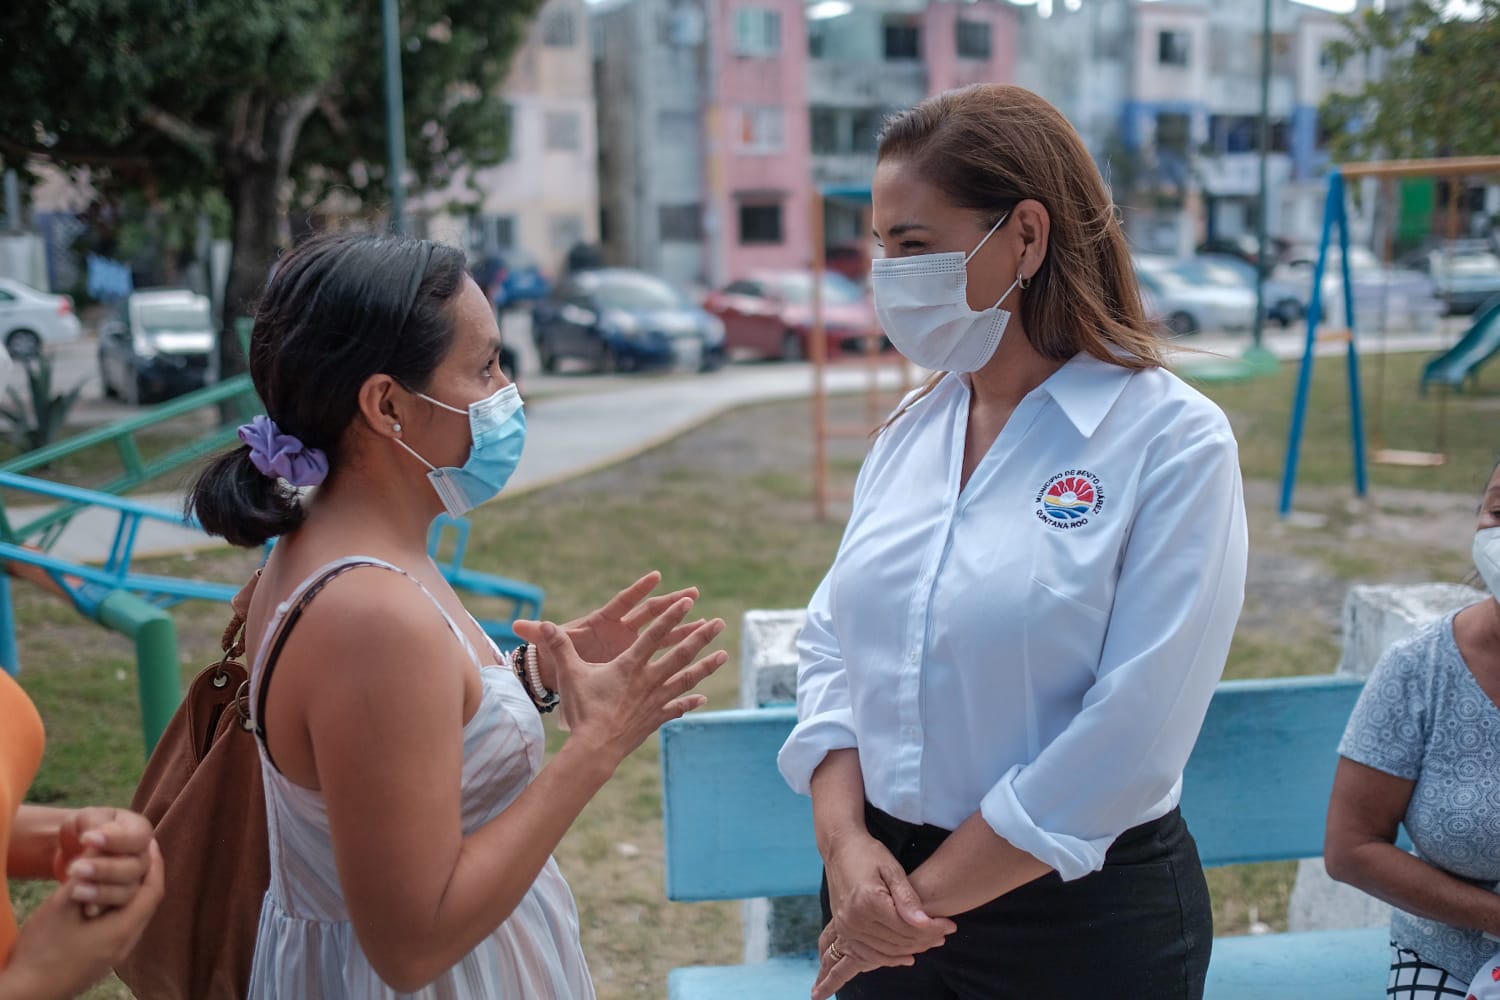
column 497, row 427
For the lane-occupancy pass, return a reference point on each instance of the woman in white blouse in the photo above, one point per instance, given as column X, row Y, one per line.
column 1005, row 670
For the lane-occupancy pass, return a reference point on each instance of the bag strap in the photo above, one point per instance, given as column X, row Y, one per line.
column 285, row 628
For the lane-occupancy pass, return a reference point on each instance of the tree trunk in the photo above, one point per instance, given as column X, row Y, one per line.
column 260, row 163
column 254, row 196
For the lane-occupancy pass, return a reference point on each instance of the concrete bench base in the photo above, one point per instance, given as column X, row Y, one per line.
column 1328, row 965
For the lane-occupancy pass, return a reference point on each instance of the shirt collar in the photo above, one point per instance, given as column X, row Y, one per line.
column 1085, row 388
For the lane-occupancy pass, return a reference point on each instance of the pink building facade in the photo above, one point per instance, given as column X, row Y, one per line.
column 721, row 119
column 757, row 193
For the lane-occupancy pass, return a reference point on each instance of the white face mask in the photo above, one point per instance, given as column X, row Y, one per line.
column 1487, row 557
column 923, row 305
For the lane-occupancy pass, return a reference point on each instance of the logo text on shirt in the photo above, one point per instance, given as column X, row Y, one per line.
column 1069, row 499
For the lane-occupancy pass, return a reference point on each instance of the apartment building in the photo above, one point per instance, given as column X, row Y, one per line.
column 720, row 119
column 1167, row 93
column 544, row 198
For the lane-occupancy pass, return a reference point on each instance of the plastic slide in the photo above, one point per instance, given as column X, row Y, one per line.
column 1479, row 344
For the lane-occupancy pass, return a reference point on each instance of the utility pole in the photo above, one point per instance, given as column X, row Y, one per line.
column 1264, row 143
column 395, row 115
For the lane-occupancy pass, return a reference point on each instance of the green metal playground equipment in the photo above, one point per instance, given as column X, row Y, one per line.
column 118, row 596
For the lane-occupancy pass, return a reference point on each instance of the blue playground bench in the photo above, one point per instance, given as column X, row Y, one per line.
column 1256, row 789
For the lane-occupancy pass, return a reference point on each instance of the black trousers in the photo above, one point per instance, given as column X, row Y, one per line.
column 1140, row 928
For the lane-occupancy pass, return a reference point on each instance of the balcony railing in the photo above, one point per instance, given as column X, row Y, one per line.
column 897, row 84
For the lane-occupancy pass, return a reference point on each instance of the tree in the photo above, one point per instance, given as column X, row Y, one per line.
column 1433, row 82
column 261, row 100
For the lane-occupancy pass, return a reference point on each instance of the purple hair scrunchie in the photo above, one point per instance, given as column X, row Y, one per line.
column 277, row 454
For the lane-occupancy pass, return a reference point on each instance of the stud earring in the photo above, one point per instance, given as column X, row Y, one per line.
column 396, row 428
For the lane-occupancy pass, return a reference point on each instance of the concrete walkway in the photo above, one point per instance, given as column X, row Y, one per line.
column 575, row 424
column 579, row 423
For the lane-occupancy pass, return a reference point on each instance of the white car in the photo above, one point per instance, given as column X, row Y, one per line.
column 1383, row 296
column 1187, row 299
column 29, row 319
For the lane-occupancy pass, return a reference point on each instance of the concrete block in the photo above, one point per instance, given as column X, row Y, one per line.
column 768, row 676
column 768, row 657
column 1319, row 903
column 1378, row 615
column 1375, row 617
column 777, row 927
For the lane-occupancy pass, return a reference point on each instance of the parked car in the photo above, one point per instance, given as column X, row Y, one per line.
column 1382, row 295
column 1187, row 297
column 770, row 314
column 1283, row 300
column 30, row 318
column 619, row 319
column 1464, row 275
column 511, row 278
column 163, row 343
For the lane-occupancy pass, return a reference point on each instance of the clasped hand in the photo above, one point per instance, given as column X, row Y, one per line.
column 878, row 919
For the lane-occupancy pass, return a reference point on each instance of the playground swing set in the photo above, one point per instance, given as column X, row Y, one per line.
column 1450, row 370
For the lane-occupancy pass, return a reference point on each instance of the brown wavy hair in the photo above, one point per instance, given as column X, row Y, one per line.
column 990, row 146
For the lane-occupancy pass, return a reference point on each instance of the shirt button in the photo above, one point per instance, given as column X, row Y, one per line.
column 910, row 733
column 912, row 656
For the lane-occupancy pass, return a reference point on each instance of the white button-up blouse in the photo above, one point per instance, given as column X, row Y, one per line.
column 1040, row 646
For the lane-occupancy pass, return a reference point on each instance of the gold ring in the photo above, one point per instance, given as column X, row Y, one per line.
column 834, row 953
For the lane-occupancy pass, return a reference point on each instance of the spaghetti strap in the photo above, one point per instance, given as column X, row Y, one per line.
column 306, row 944
column 350, row 562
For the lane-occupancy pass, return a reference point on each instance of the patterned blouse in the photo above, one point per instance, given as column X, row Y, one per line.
column 1423, row 716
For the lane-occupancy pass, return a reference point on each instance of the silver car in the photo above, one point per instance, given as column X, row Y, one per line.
column 1187, row 298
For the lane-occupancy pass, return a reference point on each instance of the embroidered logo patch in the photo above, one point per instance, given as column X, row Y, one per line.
column 1069, row 499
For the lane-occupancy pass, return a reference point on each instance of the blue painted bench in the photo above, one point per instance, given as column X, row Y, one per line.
column 1255, row 789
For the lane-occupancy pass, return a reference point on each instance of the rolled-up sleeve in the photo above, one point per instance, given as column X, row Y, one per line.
column 1180, row 590
column 825, row 721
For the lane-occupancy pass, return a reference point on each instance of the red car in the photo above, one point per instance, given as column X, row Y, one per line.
column 770, row 314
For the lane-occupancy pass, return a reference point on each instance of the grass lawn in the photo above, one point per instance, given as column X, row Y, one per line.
column 728, row 508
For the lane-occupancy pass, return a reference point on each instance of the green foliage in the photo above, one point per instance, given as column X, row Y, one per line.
column 1434, row 88
column 37, row 423
column 172, row 96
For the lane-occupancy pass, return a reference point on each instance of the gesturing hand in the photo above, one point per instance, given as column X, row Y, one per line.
column 614, row 706
column 604, row 634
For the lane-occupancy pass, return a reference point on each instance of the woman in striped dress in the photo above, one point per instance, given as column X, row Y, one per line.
column 411, row 820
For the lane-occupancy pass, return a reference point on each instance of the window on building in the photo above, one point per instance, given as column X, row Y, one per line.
column 564, row 131
column 565, row 231
column 864, row 128
column 559, row 29
column 903, row 39
column 680, row 223
column 817, row 37
column 490, row 234
column 973, row 39
column 681, row 26
column 1173, row 48
column 1173, row 132
column 825, row 130
column 757, row 32
column 1328, row 62
column 762, row 130
column 760, row 224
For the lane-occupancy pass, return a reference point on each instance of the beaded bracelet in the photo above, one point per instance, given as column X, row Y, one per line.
column 524, row 661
